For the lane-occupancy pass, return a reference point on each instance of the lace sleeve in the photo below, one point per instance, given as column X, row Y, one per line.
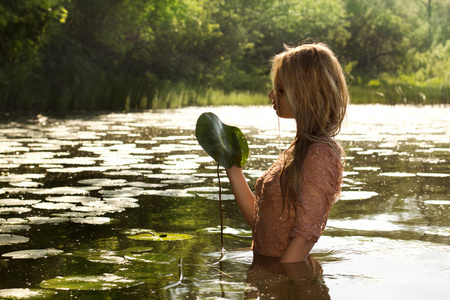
column 322, row 179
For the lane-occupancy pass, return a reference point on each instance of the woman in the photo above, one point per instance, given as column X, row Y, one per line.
column 292, row 202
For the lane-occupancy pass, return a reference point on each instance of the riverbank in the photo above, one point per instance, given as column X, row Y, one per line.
column 181, row 95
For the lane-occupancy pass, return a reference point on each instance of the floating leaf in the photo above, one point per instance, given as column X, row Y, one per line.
column 25, row 294
column 17, row 202
column 10, row 239
column 103, row 282
column 92, row 220
column 33, row 253
column 148, row 235
column 225, row 144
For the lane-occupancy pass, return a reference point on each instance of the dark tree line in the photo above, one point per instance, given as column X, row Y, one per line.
column 66, row 55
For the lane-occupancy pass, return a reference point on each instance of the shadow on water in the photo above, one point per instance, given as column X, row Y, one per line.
column 124, row 206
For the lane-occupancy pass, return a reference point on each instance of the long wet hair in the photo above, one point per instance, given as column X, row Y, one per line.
column 314, row 86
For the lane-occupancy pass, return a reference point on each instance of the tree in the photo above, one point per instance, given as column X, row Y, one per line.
column 26, row 27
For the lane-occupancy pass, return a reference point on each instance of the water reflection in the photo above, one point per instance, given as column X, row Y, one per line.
column 273, row 280
column 72, row 189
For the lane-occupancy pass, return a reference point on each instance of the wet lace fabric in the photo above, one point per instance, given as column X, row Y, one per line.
column 321, row 186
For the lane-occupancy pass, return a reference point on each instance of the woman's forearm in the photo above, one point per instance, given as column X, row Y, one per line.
column 242, row 193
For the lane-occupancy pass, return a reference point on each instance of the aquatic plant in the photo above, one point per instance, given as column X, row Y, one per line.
column 225, row 144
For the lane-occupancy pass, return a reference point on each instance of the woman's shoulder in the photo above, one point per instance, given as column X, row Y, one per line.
column 325, row 147
column 326, row 150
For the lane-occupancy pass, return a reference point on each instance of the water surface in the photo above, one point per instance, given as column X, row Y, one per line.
column 125, row 206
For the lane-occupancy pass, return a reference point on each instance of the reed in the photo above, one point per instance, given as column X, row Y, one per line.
column 100, row 91
column 399, row 93
column 180, row 95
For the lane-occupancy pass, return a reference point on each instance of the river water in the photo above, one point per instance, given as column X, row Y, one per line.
column 125, row 206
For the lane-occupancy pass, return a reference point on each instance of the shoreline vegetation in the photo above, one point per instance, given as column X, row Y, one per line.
column 376, row 93
column 179, row 95
column 64, row 56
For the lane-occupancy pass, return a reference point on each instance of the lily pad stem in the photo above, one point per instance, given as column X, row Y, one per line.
column 220, row 208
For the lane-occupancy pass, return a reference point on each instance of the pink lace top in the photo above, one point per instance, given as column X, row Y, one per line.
column 321, row 186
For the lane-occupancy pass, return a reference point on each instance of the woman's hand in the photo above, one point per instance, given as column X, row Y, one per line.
column 242, row 193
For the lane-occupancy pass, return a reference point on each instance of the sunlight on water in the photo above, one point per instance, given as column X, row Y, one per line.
column 108, row 202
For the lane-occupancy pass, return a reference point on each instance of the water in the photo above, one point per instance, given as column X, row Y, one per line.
column 124, row 206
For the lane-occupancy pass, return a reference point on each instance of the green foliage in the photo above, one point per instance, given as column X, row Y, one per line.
column 74, row 55
column 26, row 28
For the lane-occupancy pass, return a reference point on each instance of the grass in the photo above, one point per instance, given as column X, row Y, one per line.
column 393, row 93
column 180, row 95
column 115, row 95
column 399, row 93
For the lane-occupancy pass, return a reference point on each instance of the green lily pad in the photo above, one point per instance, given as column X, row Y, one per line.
column 102, row 256
column 110, row 256
column 103, row 282
column 142, row 234
column 11, row 239
column 225, row 144
column 33, row 253
column 160, row 237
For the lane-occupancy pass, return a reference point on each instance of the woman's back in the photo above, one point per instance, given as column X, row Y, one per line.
column 321, row 185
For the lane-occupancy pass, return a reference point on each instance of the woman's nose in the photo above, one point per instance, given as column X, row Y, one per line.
column 271, row 95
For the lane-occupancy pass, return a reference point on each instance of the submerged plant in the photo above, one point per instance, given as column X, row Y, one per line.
column 225, row 144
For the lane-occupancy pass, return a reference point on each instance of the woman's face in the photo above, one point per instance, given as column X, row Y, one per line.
column 280, row 104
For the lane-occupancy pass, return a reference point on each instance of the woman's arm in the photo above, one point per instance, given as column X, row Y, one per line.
column 322, row 173
column 297, row 250
column 242, row 193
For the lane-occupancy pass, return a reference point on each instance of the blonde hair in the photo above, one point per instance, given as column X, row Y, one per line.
column 314, row 86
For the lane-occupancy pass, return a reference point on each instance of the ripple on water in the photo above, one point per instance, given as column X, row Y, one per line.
column 366, row 168
column 433, row 174
column 124, row 172
column 376, row 223
column 395, row 266
column 397, row 174
column 437, row 202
